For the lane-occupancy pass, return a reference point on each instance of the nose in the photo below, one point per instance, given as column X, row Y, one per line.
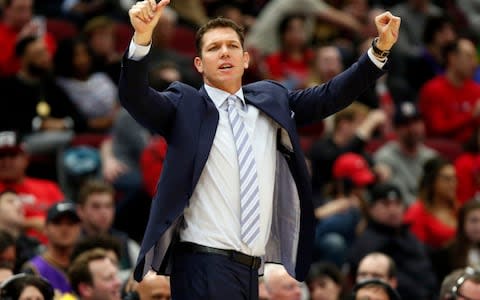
column 224, row 51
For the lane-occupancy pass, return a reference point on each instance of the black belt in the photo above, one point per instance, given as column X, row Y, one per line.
column 252, row 262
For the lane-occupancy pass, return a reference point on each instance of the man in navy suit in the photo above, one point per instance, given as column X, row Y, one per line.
column 234, row 191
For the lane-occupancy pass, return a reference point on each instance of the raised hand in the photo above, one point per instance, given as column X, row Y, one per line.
column 144, row 16
column 388, row 27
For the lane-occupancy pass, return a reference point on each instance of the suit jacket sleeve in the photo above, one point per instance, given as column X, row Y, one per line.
column 154, row 110
column 316, row 103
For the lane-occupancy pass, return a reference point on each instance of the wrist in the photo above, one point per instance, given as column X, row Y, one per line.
column 379, row 50
column 142, row 39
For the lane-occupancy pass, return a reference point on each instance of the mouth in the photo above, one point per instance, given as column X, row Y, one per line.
column 225, row 66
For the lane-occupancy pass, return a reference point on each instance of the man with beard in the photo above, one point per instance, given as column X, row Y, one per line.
column 36, row 105
column 405, row 155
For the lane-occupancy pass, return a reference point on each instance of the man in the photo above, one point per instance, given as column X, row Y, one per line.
column 96, row 209
column 461, row 285
column 154, row 287
column 280, row 285
column 374, row 289
column 450, row 102
column 37, row 195
column 200, row 187
column 405, row 156
column 377, row 265
column 63, row 230
column 94, row 276
column 386, row 233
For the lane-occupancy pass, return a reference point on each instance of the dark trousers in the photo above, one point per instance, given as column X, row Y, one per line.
column 197, row 276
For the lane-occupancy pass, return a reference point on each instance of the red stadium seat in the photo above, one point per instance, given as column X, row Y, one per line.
column 61, row 29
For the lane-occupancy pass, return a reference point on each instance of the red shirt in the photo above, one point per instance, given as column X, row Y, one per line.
column 281, row 66
column 9, row 63
column 37, row 196
column 467, row 167
column 426, row 227
column 447, row 109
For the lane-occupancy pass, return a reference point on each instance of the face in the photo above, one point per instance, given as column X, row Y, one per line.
column 374, row 267
column 328, row 62
column 154, row 287
column 388, row 212
column 11, row 211
column 98, row 212
column 31, row 293
column 444, row 36
column 223, row 59
column 106, row 284
column 8, row 257
column 284, row 287
column 324, row 288
column 81, row 60
column 371, row 293
column 294, row 36
column 465, row 59
column 12, row 166
column 19, row 13
column 102, row 41
column 469, row 291
column 37, row 57
column 446, row 183
column 472, row 225
column 63, row 232
column 412, row 133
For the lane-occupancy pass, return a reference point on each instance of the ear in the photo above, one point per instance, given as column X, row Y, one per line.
column 85, row 290
column 197, row 61
column 246, row 59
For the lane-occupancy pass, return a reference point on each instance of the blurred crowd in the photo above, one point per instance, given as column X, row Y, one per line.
column 395, row 176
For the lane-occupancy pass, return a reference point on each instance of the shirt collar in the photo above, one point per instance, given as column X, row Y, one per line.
column 219, row 96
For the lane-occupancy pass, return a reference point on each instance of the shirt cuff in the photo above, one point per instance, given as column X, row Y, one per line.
column 379, row 63
column 137, row 52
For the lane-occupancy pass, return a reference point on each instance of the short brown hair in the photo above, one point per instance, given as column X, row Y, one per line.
column 94, row 186
column 219, row 22
column 79, row 271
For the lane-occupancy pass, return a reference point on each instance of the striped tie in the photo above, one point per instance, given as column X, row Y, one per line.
column 249, row 193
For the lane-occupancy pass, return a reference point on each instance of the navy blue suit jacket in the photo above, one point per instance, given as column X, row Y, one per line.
column 188, row 119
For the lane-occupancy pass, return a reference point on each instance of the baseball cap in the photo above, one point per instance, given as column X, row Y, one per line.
column 354, row 167
column 61, row 209
column 385, row 191
column 406, row 112
column 10, row 142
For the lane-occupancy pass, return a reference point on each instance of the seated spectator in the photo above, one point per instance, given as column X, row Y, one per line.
column 279, row 284
column 433, row 216
column 63, row 230
column 12, row 221
column 106, row 242
column 450, row 102
column 154, row 287
column 93, row 93
column 325, row 282
column 37, row 195
column 17, row 23
column 96, row 209
column 461, row 284
column 93, row 276
column 467, row 167
column 327, row 63
column 341, row 218
column 291, row 63
column 405, row 155
column 374, row 289
column 377, row 265
column 387, row 233
column 25, row 287
column 464, row 250
column 83, row 10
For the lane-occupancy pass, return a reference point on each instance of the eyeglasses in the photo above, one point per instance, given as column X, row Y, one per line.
column 468, row 274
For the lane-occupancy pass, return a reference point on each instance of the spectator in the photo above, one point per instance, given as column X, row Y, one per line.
column 325, row 282
column 36, row 194
column 82, row 10
column 449, row 102
column 327, row 64
column 405, row 155
column 448, row 283
column 341, row 218
column 26, row 287
column 280, row 285
column 387, row 233
column 17, row 23
column 379, row 266
column 12, row 221
column 5, row 273
column 463, row 251
column 374, row 289
column 108, row 243
column 96, row 209
column 433, row 217
column 467, row 167
column 94, row 94
column 154, row 287
column 465, row 286
column 62, row 229
column 93, row 275
column 471, row 10
column 289, row 64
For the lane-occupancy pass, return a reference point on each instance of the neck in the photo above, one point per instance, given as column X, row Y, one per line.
column 454, row 79
column 339, row 139
column 60, row 256
column 408, row 150
column 24, row 75
column 229, row 88
column 15, row 232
